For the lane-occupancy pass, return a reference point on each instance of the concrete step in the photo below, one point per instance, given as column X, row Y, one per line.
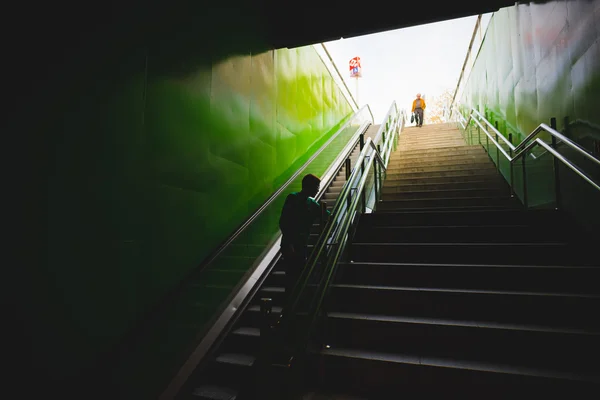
column 480, row 159
column 544, row 218
column 401, row 175
column 446, row 194
column 459, row 234
column 501, row 253
column 420, row 139
column 409, row 186
column 375, row 375
column 456, row 202
column 448, row 151
column 429, row 146
column 439, row 158
column 550, row 279
column 441, row 168
column 429, row 135
column 522, row 344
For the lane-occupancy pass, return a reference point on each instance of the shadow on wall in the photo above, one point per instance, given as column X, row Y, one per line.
column 154, row 156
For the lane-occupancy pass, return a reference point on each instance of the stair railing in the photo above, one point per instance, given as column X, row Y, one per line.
column 360, row 194
column 355, row 125
column 538, row 169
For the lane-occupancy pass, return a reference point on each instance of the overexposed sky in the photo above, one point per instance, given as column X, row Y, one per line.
column 400, row 63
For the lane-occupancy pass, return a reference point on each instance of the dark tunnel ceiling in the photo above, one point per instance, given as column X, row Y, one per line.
column 321, row 21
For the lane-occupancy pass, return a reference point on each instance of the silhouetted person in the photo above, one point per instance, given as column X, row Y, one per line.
column 299, row 212
column 418, row 107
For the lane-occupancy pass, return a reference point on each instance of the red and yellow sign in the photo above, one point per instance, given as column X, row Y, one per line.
column 355, row 68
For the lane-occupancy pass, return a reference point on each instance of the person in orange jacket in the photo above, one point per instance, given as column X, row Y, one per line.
column 418, row 107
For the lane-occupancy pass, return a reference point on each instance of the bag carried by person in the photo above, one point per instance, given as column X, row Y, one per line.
column 412, row 118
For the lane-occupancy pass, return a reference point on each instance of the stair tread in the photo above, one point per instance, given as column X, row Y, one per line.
column 215, row 392
column 275, row 289
column 449, row 198
column 453, row 363
column 461, row 323
column 245, row 360
column 462, row 211
column 448, row 227
column 247, row 331
column 443, row 265
column 469, row 291
column 454, row 244
column 447, row 208
column 256, row 308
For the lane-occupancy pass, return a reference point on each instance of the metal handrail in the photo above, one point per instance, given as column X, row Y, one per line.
column 283, row 187
column 221, row 248
column 335, row 235
column 329, row 229
column 519, row 148
column 352, row 143
column 388, row 114
column 530, row 141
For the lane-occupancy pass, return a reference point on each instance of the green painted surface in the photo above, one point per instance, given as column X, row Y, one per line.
column 152, row 168
column 537, row 62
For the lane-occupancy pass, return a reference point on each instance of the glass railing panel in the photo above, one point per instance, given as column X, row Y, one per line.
column 576, row 196
column 539, row 178
column 370, row 192
column 471, row 134
column 503, row 163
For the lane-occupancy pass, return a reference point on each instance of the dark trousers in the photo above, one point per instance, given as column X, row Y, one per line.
column 294, row 265
column 419, row 116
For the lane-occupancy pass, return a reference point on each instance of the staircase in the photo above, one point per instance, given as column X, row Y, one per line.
column 452, row 285
column 229, row 373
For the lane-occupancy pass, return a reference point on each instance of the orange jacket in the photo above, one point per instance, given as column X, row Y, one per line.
column 415, row 104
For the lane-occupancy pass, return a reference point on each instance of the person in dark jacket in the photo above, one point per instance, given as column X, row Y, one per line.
column 299, row 212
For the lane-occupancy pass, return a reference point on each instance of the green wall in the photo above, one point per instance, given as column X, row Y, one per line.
column 155, row 163
column 539, row 61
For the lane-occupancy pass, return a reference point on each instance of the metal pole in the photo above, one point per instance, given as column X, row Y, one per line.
column 497, row 149
column 357, row 102
column 376, row 183
column 512, row 170
column 556, row 168
column 348, row 168
column 525, row 199
column 361, row 141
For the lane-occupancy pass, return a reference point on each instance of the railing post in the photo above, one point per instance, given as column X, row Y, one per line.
column 497, row 148
column 525, row 199
column 364, row 200
column 512, row 170
column 478, row 134
column 348, row 168
column 487, row 144
column 556, row 168
column 376, row 183
column 361, row 141
column 362, row 193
